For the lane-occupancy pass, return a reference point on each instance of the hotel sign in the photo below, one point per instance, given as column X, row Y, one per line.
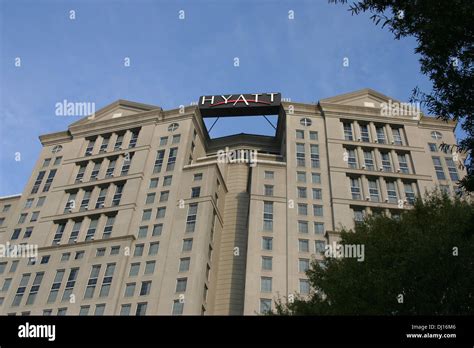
column 240, row 104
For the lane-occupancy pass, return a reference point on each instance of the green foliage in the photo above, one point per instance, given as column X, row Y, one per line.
column 444, row 31
column 413, row 256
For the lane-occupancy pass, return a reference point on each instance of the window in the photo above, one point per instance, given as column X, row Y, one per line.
column 21, row 289
column 58, row 278
column 380, row 134
column 160, row 155
column 317, row 210
column 107, row 281
column 49, row 180
column 71, row 203
column 160, row 212
column 157, row 229
column 118, row 195
column 127, row 162
column 92, row 228
column 374, row 190
column 305, row 122
column 84, row 310
column 187, row 244
column 125, row 309
column 268, row 190
column 138, row 250
column 134, row 269
column 6, row 284
column 45, row 259
column 197, row 177
column 265, row 305
column 314, row 156
column 145, row 289
column 302, row 209
column 303, row 265
column 301, row 177
column 436, row 135
column 118, row 142
column 355, row 188
column 110, row 169
column 267, row 216
column 181, row 284
column 195, row 192
column 303, row 226
column 391, row 192
column 439, row 168
column 115, row 250
column 40, row 202
column 79, row 255
column 109, row 225
column 172, row 158
column 317, row 194
column 184, row 264
column 351, row 158
column 22, row 218
column 300, row 155
column 154, row 247
column 453, row 173
column 175, row 139
column 304, row 286
column 403, row 163
column 29, row 203
column 99, row 309
column 172, row 127
column 319, row 246
column 178, row 307
column 409, row 194
column 46, row 162
column 34, row 216
column 397, row 136
column 71, row 281
column 301, row 192
column 266, row 284
column 163, row 141
column 2, row 220
column 3, row 265
column 36, row 185
column 100, row 252
column 150, row 198
column 150, row 267
column 269, row 175
column 133, row 139
column 369, row 160
column 319, row 228
column 267, row 263
column 75, row 232
column 191, row 219
column 90, row 147
column 57, row 161
column 141, row 309
column 85, row 200
column 364, row 132
column 101, row 199
column 80, row 173
column 267, row 243
column 142, row 232
column 316, row 178
column 303, row 245
column 313, row 135
column 348, row 131
column 153, row 183
column 59, row 233
column 386, row 163
column 432, row 147
column 167, row 180
column 299, row 134
column 95, row 171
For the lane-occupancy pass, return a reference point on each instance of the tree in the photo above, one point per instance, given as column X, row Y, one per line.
column 421, row 263
column 444, row 31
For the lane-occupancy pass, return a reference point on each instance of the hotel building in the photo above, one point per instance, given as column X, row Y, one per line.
column 136, row 212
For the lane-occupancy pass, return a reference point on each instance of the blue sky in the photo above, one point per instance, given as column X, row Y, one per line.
column 173, row 61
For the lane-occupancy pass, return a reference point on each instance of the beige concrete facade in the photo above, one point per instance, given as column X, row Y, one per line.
column 134, row 211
